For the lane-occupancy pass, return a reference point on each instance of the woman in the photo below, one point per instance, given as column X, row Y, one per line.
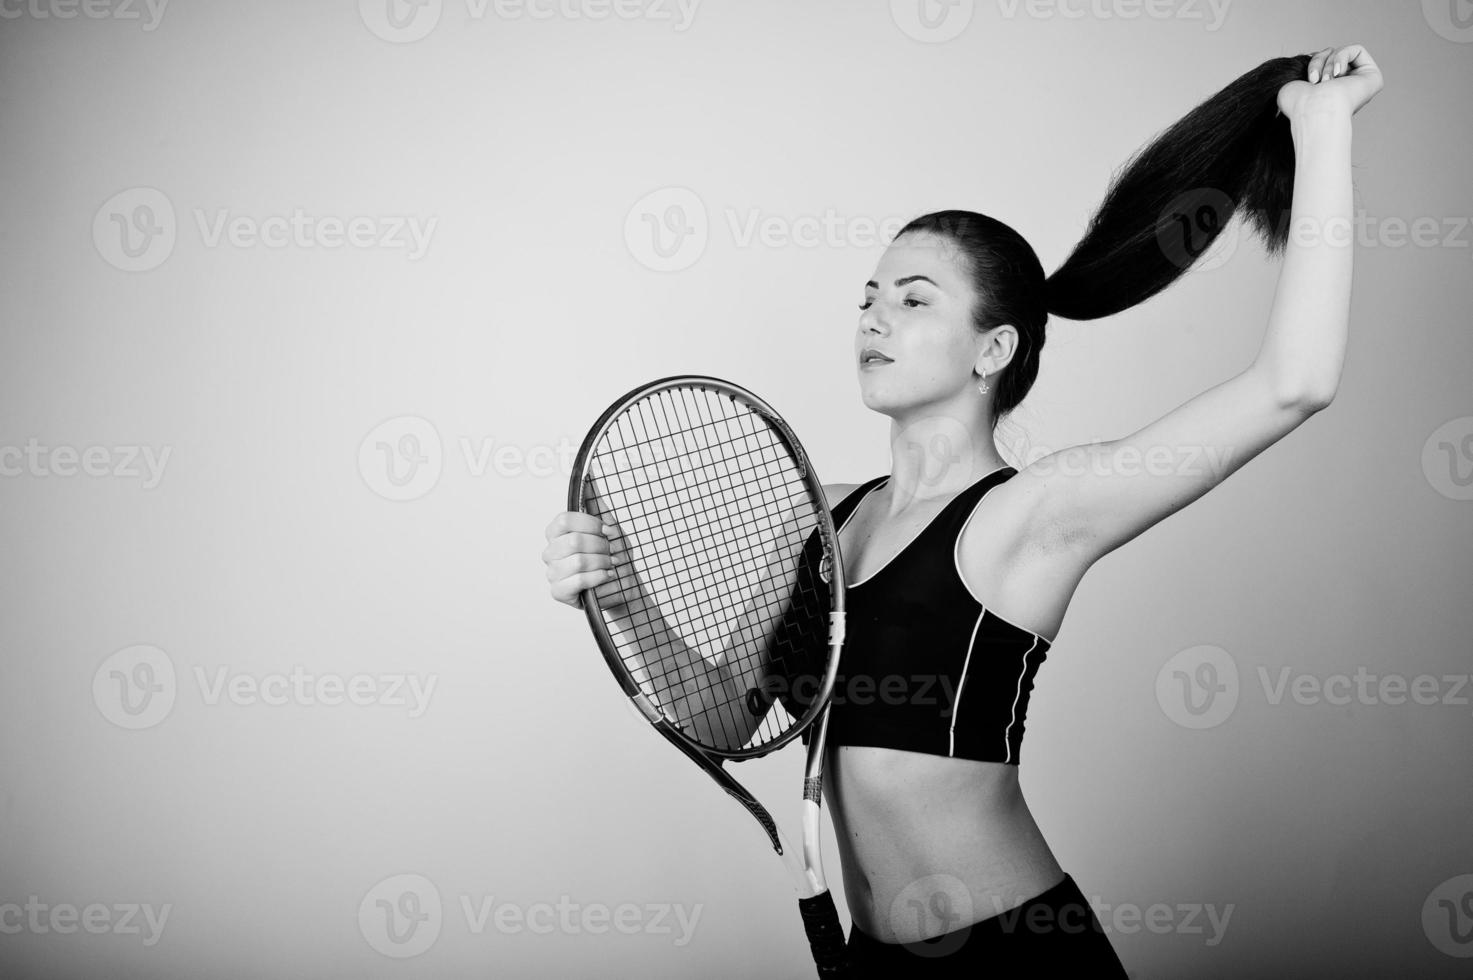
column 965, row 579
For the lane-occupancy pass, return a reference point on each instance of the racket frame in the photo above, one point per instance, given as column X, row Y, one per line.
column 805, row 867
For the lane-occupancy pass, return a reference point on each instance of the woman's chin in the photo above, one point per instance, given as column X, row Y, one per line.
column 873, row 395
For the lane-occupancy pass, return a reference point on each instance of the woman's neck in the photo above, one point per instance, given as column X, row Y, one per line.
column 937, row 457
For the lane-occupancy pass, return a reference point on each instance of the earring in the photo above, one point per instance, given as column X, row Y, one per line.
column 983, row 388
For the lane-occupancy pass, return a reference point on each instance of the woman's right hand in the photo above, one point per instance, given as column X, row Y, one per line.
column 583, row 553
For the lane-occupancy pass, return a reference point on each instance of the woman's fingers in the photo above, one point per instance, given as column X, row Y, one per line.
column 575, row 563
column 570, row 590
column 573, row 542
column 1317, row 64
column 1333, row 62
column 1339, row 62
column 578, row 556
column 570, row 520
column 583, row 553
column 1355, row 64
column 569, row 577
column 1353, row 57
column 1359, row 62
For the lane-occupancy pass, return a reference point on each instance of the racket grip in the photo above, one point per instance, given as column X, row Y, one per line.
column 825, row 934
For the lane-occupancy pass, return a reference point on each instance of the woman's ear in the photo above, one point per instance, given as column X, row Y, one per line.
column 997, row 348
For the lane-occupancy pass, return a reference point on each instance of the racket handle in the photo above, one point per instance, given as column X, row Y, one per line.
column 825, row 934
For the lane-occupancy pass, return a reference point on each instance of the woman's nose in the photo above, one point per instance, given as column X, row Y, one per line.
column 873, row 320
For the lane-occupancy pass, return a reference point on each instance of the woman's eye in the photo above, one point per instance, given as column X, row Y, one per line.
column 909, row 299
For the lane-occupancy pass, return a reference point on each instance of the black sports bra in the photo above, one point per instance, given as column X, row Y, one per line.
column 925, row 666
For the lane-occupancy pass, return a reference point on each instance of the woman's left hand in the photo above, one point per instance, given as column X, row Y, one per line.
column 1338, row 78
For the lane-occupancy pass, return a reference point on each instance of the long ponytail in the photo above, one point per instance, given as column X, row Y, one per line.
column 1165, row 206
column 1231, row 154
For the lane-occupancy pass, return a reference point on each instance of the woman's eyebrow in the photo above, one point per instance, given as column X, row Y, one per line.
column 904, row 281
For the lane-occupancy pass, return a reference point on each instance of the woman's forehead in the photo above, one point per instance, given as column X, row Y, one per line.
column 920, row 254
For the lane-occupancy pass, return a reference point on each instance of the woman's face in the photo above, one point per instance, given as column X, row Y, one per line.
column 917, row 311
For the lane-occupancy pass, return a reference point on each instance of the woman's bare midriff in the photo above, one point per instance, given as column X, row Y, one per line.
column 931, row 844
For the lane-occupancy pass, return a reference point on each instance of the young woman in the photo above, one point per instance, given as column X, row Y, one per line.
column 965, row 578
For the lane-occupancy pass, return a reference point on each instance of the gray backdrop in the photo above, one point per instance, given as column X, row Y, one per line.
column 307, row 306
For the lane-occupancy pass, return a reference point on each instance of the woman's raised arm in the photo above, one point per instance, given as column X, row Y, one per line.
column 1100, row 495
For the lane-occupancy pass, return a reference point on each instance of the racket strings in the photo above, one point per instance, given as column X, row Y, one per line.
column 768, row 450
column 713, row 516
column 718, row 583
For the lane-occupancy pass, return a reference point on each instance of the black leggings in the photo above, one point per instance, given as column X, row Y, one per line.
column 1052, row 933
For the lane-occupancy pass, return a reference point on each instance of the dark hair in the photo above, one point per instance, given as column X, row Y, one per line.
column 1233, row 153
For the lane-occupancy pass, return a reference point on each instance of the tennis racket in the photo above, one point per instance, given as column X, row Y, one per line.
column 724, row 618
